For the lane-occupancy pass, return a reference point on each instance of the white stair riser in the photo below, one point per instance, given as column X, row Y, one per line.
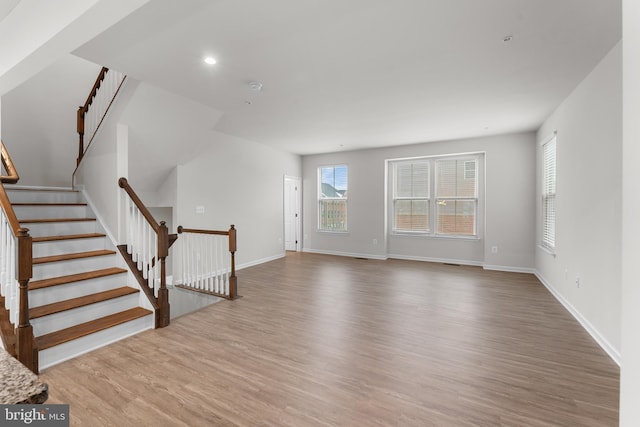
column 63, row 268
column 57, row 293
column 62, row 228
column 62, row 352
column 68, row 318
column 34, row 196
column 59, row 247
column 28, row 212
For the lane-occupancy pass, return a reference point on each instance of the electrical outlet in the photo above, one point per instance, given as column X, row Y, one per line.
column 494, row 249
column 577, row 282
column 375, row 241
column 200, row 210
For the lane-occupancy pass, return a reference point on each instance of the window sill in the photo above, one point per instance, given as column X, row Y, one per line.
column 436, row 236
column 332, row 232
column 547, row 250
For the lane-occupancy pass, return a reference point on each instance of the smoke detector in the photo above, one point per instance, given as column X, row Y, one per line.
column 255, row 86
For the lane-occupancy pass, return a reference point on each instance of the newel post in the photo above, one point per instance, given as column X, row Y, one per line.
column 81, row 112
column 233, row 280
column 26, row 349
column 162, row 314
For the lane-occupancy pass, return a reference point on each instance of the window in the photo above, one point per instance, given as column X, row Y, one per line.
column 332, row 198
column 436, row 195
column 456, row 196
column 549, row 194
column 411, row 196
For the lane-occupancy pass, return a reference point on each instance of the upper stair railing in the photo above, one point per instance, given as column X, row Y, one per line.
column 94, row 110
column 146, row 249
column 16, row 266
column 208, row 261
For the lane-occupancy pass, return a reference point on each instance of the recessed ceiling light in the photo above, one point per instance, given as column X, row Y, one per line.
column 210, row 60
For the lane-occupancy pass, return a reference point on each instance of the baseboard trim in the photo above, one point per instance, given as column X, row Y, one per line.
column 260, row 261
column 345, row 254
column 602, row 341
column 438, row 260
column 509, row 269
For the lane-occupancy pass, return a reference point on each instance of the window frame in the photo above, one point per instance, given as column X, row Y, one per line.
column 321, row 198
column 549, row 194
column 433, row 226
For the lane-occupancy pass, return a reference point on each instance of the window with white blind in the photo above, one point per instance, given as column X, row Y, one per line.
column 549, row 194
column 456, row 196
column 332, row 198
column 411, row 196
column 435, row 195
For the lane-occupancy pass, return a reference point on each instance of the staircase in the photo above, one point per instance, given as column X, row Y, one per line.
column 78, row 296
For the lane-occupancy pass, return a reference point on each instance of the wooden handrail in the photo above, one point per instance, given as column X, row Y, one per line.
column 161, row 302
column 124, row 184
column 82, row 111
column 8, row 210
column 181, row 230
column 25, row 347
column 12, row 176
column 95, row 88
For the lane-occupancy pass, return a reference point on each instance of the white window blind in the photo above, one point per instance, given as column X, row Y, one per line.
column 332, row 198
column 549, row 194
column 456, row 196
column 411, row 196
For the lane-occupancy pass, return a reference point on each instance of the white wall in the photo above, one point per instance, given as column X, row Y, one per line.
column 39, row 121
column 38, row 32
column 238, row 182
column 630, row 372
column 508, row 217
column 589, row 202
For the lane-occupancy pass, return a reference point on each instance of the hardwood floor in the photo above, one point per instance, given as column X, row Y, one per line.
column 317, row 340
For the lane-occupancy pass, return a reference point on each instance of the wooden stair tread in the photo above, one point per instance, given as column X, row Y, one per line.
column 78, row 277
column 57, row 307
column 49, row 204
column 65, row 335
column 67, row 237
column 75, row 255
column 47, row 220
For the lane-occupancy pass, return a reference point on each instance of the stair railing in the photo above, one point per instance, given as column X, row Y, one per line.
column 146, row 249
column 16, row 266
column 94, row 110
column 208, row 261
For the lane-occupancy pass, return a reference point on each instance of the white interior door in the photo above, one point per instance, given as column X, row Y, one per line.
column 292, row 209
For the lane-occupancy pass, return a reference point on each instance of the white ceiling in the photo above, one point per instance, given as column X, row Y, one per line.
column 6, row 6
column 343, row 75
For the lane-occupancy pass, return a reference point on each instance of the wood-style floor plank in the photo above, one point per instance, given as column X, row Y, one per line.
column 317, row 340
